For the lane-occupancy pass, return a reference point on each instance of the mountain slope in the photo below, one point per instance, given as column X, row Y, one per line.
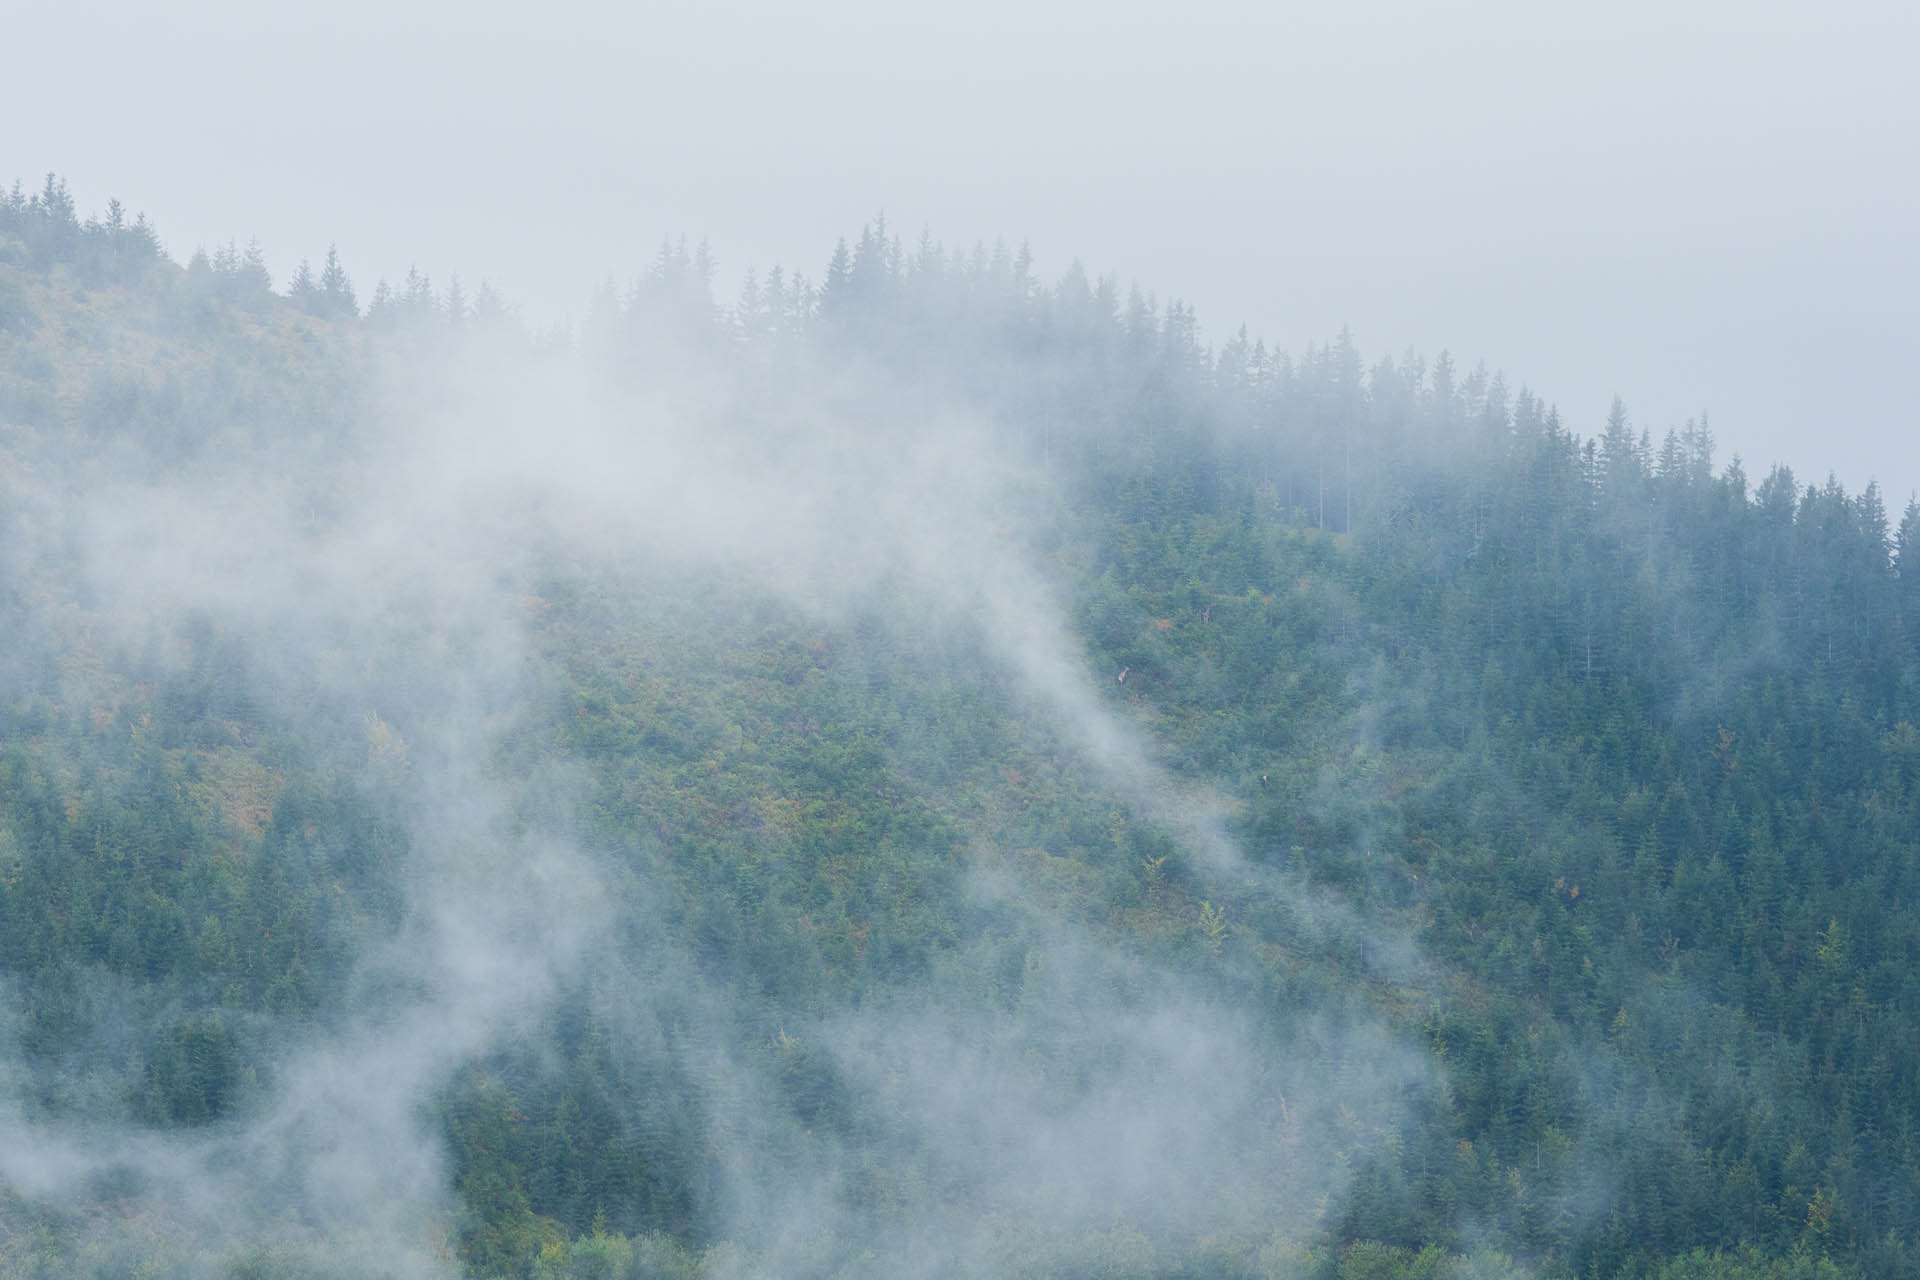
column 937, row 773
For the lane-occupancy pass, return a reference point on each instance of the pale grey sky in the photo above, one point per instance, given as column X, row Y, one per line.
column 1700, row 206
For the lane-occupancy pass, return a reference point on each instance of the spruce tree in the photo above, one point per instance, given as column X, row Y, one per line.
column 253, row 269
column 302, row 288
column 834, row 290
column 1906, row 551
column 335, row 289
column 456, row 303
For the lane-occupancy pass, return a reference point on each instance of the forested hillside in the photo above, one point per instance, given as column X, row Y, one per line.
column 936, row 772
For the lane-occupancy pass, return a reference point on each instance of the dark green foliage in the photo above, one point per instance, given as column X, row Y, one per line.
column 150, row 933
column 193, row 1075
column 1626, row 744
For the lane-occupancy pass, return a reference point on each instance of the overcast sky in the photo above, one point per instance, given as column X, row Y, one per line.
column 1701, row 207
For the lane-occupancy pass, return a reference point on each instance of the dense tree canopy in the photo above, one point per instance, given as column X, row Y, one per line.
column 1617, row 742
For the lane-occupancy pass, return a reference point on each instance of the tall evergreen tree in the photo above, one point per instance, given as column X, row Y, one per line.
column 303, row 290
column 336, row 290
column 1906, row 563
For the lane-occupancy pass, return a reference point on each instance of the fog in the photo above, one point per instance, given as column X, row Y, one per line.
column 376, row 580
column 1702, row 209
column 1703, row 213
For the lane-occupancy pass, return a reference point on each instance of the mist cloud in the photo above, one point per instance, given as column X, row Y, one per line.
column 377, row 584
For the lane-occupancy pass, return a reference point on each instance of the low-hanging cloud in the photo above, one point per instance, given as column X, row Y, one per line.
column 377, row 583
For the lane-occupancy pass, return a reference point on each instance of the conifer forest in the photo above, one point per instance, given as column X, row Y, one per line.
column 919, row 769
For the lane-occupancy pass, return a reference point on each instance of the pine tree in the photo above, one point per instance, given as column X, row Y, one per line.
column 867, row 275
column 775, row 303
column 302, row 288
column 749, row 312
column 335, row 289
column 835, row 288
column 1906, row 551
column 380, row 311
column 490, row 310
column 54, row 228
column 929, row 263
column 145, row 237
column 253, row 275
column 456, row 304
column 416, row 298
